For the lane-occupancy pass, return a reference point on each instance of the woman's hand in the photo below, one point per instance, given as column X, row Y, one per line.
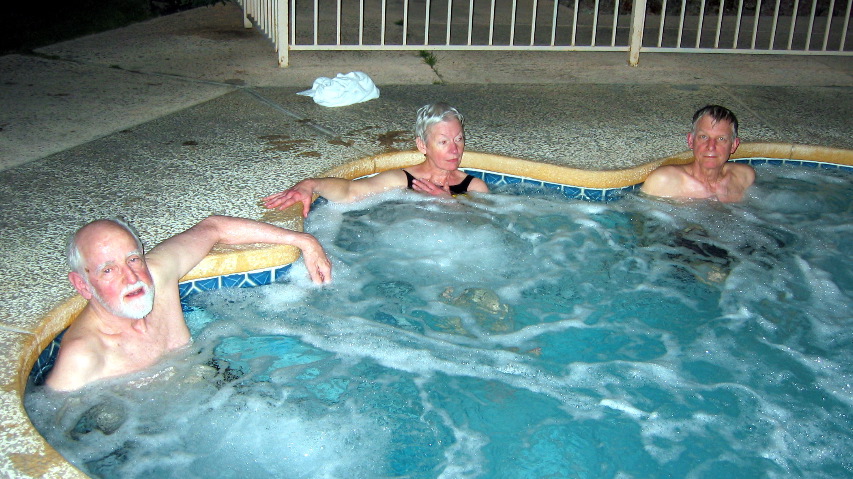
column 301, row 192
column 431, row 188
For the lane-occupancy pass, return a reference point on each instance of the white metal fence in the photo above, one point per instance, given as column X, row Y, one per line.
column 801, row 27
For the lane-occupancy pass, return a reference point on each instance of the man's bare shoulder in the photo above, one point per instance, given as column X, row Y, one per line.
column 745, row 173
column 737, row 178
column 664, row 181
column 80, row 361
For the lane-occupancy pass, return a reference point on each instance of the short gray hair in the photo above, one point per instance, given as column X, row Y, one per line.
column 72, row 248
column 433, row 113
column 717, row 113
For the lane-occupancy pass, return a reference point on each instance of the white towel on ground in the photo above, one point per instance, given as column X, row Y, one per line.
column 343, row 90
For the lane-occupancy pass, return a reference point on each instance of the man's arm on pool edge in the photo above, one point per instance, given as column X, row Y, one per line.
column 176, row 256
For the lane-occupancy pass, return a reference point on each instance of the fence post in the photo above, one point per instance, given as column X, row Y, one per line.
column 282, row 37
column 247, row 23
column 638, row 23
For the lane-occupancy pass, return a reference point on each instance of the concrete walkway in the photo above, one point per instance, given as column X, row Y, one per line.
column 171, row 120
column 86, row 89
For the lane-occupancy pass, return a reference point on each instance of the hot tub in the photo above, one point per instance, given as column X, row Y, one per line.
column 31, row 456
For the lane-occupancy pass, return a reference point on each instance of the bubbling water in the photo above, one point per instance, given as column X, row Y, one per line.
column 511, row 335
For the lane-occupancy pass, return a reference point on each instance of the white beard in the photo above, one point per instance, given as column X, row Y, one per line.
column 136, row 308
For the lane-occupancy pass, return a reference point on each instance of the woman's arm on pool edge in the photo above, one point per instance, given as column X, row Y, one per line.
column 338, row 190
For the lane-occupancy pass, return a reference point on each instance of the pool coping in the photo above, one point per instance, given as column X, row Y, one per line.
column 27, row 454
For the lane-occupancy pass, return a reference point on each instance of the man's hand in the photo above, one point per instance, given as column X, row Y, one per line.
column 301, row 191
column 318, row 264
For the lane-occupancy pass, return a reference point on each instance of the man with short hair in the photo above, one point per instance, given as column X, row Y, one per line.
column 134, row 313
column 714, row 139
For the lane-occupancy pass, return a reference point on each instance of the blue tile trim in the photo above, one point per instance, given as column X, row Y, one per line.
column 233, row 280
column 785, row 162
column 44, row 363
column 258, row 278
column 569, row 191
column 279, row 273
column 237, row 280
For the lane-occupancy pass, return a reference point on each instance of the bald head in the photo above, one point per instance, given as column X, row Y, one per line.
column 93, row 232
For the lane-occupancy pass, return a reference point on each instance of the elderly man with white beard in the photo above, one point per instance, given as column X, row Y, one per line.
column 134, row 313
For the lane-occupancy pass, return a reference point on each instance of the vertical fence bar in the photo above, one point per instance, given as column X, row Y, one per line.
column 554, row 23
column 360, row 22
column 471, row 20
column 793, row 23
column 737, row 23
column 491, row 23
column 316, row 21
column 575, row 23
column 701, row 23
column 681, row 23
column 281, row 35
column 426, row 22
column 594, row 22
column 662, row 21
column 828, row 25
column 383, row 24
column 844, row 28
column 272, row 21
column 293, row 21
column 269, row 17
column 774, row 26
column 638, row 25
column 261, row 19
column 811, row 25
column 533, row 22
column 405, row 22
column 246, row 22
column 338, row 23
column 755, row 24
column 449, row 21
column 512, row 23
column 719, row 24
column 615, row 22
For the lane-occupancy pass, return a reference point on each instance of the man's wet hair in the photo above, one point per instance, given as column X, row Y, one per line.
column 72, row 249
column 433, row 113
column 717, row 113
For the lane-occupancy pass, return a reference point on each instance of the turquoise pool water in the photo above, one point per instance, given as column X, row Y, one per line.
column 514, row 335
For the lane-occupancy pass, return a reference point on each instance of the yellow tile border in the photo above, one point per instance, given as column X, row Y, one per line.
column 27, row 454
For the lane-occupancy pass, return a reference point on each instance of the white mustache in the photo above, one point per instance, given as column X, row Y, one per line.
column 133, row 287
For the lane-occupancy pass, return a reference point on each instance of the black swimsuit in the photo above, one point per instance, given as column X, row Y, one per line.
column 459, row 189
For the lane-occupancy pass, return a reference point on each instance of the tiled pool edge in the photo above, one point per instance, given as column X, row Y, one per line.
column 26, row 453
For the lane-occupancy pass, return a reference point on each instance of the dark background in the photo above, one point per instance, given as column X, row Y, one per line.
column 31, row 24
